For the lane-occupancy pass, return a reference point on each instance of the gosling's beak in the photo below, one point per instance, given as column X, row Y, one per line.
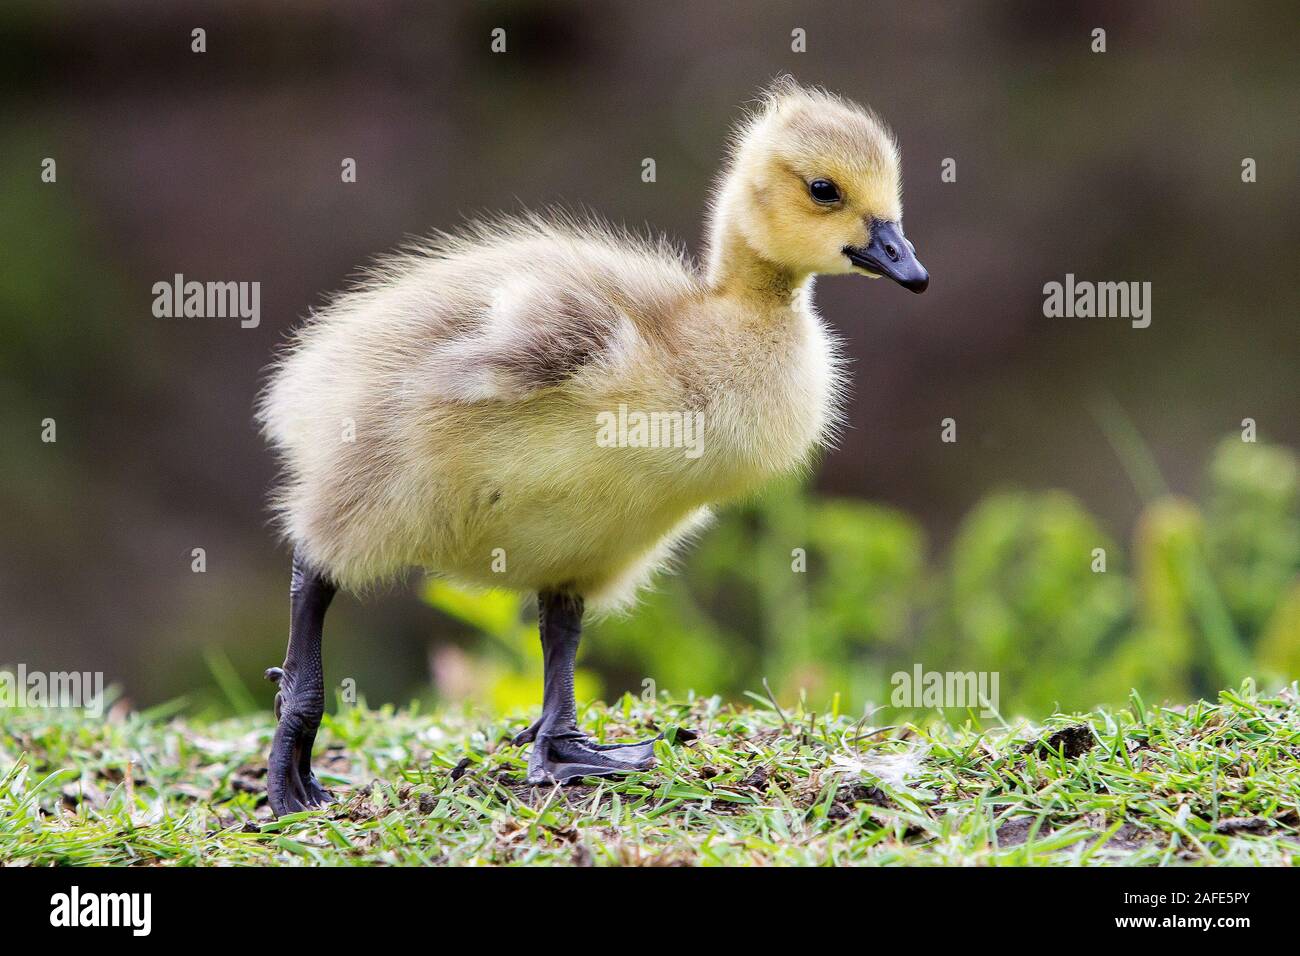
column 890, row 254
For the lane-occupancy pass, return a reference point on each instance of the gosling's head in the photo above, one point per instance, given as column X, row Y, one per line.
column 814, row 187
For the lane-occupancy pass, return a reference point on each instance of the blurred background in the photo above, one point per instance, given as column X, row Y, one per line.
column 1072, row 434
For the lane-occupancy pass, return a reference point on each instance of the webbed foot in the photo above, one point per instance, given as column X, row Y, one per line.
column 569, row 755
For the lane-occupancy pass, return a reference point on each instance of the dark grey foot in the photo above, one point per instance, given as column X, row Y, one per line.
column 290, row 783
column 568, row 756
column 563, row 758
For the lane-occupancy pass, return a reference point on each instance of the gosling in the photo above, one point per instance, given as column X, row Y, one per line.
column 453, row 412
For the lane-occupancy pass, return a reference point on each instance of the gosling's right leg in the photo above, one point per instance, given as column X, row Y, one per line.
column 561, row 752
column 300, row 701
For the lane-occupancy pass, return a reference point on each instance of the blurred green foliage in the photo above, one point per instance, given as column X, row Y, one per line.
column 829, row 598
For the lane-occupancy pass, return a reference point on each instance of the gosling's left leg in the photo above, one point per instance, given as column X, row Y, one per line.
column 561, row 752
column 300, row 701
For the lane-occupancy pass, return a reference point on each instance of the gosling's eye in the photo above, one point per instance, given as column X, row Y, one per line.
column 824, row 191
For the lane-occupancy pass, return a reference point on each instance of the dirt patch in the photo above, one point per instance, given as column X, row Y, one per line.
column 1015, row 831
column 358, row 807
column 1073, row 741
column 336, row 760
column 757, row 780
column 534, row 795
column 1255, row 826
column 1128, row 838
column 862, row 793
column 846, row 797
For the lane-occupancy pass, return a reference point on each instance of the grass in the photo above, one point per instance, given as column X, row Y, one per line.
column 1211, row 783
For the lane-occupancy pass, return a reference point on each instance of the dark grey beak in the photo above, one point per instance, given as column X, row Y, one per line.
column 890, row 254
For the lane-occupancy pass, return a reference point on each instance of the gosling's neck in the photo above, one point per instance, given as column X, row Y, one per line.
column 736, row 271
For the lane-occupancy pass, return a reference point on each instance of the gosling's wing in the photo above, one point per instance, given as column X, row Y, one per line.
column 534, row 335
column 554, row 308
